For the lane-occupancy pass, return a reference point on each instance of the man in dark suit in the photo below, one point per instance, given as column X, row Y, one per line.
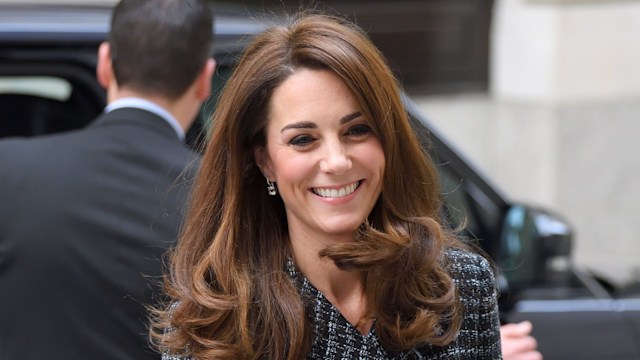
column 86, row 216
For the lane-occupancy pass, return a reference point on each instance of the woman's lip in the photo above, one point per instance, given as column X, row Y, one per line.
column 337, row 191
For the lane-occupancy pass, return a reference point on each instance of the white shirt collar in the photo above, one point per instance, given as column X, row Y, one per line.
column 138, row 103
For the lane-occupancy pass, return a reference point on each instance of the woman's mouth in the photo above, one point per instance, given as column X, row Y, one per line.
column 336, row 193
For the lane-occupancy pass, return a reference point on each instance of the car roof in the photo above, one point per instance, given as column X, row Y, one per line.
column 38, row 22
column 99, row 3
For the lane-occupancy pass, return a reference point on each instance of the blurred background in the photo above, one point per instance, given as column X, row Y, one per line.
column 542, row 95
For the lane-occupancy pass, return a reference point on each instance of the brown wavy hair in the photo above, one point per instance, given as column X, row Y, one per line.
column 230, row 297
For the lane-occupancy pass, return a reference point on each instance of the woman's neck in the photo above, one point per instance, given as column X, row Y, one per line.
column 344, row 289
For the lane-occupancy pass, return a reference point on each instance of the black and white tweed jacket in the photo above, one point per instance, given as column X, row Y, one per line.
column 479, row 337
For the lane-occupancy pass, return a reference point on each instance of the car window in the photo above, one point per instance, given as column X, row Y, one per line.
column 48, row 87
column 40, row 99
column 31, row 104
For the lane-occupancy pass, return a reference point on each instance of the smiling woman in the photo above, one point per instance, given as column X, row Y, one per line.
column 328, row 167
column 342, row 254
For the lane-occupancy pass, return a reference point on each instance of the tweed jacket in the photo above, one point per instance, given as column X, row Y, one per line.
column 479, row 337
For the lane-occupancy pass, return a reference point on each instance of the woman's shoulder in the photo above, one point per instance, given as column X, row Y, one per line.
column 472, row 274
column 465, row 261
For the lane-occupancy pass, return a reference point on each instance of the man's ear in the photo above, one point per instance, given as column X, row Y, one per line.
column 104, row 70
column 203, row 87
column 263, row 162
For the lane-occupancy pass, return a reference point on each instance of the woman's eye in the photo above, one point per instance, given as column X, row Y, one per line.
column 359, row 130
column 301, row 140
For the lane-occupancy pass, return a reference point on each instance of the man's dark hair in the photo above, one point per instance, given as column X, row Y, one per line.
column 158, row 47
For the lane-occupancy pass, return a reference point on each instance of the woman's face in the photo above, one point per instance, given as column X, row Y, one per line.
column 323, row 155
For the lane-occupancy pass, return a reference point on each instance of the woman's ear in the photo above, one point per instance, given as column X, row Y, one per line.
column 263, row 162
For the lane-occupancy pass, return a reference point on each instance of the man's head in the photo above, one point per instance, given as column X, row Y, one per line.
column 159, row 47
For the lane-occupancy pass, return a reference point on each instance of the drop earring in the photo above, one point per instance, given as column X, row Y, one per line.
column 271, row 188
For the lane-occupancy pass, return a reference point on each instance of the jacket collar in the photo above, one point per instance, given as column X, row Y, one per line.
column 138, row 118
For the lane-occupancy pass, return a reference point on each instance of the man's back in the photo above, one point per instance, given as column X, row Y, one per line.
column 86, row 216
column 84, row 220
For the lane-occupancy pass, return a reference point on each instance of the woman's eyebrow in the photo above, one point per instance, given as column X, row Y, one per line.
column 299, row 125
column 345, row 119
column 311, row 125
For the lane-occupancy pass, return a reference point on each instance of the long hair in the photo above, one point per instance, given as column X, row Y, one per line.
column 230, row 295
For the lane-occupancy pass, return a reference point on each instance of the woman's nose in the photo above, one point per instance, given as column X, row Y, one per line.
column 335, row 160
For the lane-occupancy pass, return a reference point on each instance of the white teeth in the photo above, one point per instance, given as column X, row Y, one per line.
column 336, row 193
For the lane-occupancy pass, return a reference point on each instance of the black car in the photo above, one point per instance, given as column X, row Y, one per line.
column 48, row 85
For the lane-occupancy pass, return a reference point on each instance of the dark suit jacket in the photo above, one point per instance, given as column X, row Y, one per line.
column 85, row 217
